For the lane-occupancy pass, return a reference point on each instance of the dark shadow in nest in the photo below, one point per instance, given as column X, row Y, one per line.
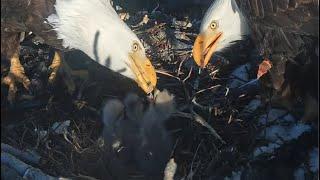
column 99, row 82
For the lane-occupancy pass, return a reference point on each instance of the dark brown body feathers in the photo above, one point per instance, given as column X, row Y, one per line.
column 24, row 16
column 287, row 33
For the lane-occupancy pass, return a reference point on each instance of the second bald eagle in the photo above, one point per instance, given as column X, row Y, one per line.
column 284, row 32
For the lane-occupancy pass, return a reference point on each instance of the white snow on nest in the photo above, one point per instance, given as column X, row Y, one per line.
column 239, row 73
column 276, row 114
column 236, row 175
column 299, row 173
column 278, row 134
column 282, row 127
column 265, row 149
column 61, row 127
column 314, row 160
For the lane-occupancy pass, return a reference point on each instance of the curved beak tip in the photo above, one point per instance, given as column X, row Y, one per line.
column 151, row 79
column 204, row 47
column 146, row 76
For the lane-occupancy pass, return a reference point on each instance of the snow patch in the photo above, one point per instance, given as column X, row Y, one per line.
column 276, row 114
column 299, row 174
column 236, row 175
column 61, row 127
column 278, row 135
column 269, row 149
column 286, row 133
column 314, row 160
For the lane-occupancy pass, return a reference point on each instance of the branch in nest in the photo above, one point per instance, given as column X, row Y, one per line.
column 28, row 156
column 200, row 120
column 170, row 170
column 24, row 170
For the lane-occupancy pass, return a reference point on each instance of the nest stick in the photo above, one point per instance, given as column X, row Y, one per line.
column 24, row 170
column 28, row 156
column 170, row 170
column 201, row 121
column 204, row 123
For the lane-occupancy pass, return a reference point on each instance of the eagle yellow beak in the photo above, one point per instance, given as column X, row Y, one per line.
column 144, row 72
column 204, row 47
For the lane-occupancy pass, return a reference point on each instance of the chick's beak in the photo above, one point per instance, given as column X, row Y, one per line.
column 145, row 74
column 204, row 47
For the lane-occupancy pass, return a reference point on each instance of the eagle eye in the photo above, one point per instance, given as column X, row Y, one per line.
column 135, row 47
column 213, row 25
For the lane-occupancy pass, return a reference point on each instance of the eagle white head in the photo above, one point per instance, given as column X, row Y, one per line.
column 94, row 27
column 222, row 25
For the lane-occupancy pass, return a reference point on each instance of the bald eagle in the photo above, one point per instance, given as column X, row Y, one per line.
column 276, row 26
column 90, row 26
column 284, row 32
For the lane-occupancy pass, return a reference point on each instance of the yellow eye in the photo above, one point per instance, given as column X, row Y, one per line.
column 135, row 47
column 213, row 25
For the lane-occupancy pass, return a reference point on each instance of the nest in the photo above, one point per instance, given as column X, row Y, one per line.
column 213, row 136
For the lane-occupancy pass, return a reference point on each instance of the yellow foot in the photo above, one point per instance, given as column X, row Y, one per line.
column 10, row 81
column 60, row 66
column 16, row 74
column 56, row 63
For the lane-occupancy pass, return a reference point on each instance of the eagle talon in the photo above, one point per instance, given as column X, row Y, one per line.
column 9, row 80
column 12, row 93
column 55, row 65
column 26, row 83
column 16, row 74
